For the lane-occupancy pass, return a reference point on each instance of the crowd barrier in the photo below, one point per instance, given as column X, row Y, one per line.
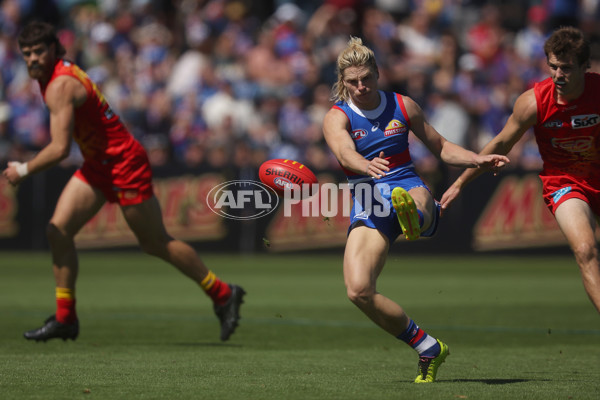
column 493, row 213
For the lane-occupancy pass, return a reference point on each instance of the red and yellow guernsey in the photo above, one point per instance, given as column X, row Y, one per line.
column 568, row 135
column 99, row 132
column 114, row 161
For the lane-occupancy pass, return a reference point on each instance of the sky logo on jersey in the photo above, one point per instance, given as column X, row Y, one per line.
column 578, row 144
column 584, row 121
column 358, row 134
column 554, row 124
column 395, row 127
column 560, row 193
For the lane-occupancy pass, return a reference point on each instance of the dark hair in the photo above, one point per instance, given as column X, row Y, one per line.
column 40, row 32
column 566, row 42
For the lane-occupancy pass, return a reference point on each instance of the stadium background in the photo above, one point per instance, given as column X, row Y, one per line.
column 214, row 88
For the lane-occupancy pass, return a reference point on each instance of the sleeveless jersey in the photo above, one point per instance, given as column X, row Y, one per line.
column 98, row 131
column 568, row 135
column 387, row 132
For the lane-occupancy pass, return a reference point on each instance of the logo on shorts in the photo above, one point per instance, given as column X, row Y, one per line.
column 127, row 194
column 556, row 196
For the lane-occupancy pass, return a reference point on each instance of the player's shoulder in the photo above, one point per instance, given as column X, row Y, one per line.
column 525, row 107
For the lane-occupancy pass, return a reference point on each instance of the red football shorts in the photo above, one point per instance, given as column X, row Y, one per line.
column 559, row 188
column 126, row 181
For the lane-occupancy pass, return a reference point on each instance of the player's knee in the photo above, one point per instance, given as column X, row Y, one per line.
column 359, row 295
column 155, row 246
column 585, row 252
column 56, row 235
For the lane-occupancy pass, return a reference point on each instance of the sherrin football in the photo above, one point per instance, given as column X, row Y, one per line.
column 279, row 174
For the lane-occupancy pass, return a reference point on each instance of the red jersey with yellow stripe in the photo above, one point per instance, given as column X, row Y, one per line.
column 114, row 161
column 568, row 135
column 99, row 132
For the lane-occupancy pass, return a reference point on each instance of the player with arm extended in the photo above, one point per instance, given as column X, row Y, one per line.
column 564, row 112
column 367, row 131
column 115, row 169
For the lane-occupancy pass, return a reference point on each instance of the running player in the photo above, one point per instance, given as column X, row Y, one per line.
column 564, row 112
column 367, row 130
column 115, row 169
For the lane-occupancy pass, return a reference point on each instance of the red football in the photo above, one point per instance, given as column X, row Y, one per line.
column 279, row 174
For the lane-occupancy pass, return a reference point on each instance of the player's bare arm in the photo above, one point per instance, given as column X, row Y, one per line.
column 445, row 150
column 63, row 95
column 524, row 116
column 335, row 130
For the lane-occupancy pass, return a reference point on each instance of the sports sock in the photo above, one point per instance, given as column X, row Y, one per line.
column 65, row 305
column 216, row 289
column 418, row 339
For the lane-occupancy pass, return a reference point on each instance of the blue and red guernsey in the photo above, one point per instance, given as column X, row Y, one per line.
column 568, row 135
column 383, row 129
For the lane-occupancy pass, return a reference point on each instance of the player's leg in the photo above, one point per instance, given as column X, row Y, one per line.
column 415, row 210
column 77, row 204
column 364, row 258
column 578, row 223
column 146, row 222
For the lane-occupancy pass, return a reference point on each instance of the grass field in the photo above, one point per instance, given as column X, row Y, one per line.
column 517, row 327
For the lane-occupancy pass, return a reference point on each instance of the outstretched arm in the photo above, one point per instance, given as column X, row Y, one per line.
column 524, row 116
column 62, row 97
column 445, row 150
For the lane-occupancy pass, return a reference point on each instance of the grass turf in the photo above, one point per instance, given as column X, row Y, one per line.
column 517, row 327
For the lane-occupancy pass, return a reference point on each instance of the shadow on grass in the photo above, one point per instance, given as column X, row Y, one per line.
column 495, row 381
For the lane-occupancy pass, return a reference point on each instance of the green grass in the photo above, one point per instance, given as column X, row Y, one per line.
column 517, row 327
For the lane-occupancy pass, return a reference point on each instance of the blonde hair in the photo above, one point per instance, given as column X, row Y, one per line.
column 354, row 55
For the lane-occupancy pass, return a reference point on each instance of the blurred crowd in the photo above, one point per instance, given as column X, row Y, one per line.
column 226, row 84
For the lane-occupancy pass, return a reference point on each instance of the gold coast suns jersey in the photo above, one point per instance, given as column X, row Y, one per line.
column 98, row 131
column 568, row 135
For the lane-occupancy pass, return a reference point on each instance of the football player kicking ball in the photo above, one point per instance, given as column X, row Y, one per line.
column 367, row 130
column 115, row 169
column 564, row 112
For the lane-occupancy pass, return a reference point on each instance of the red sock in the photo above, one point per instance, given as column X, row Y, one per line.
column 65, row 306
column 216, row 289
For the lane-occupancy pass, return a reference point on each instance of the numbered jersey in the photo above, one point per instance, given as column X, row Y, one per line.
column 568, row 135
column 384, row 129
column 98, row 131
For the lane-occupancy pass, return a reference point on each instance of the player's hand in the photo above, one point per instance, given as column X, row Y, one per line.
column 448, row 197
column 378, row 166
column 11, row 174
column 493, row 162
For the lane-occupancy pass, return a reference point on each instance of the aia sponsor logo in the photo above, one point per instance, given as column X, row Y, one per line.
column 359, row 134
column 395, row 127
column 578, row 144
column 584, row 121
